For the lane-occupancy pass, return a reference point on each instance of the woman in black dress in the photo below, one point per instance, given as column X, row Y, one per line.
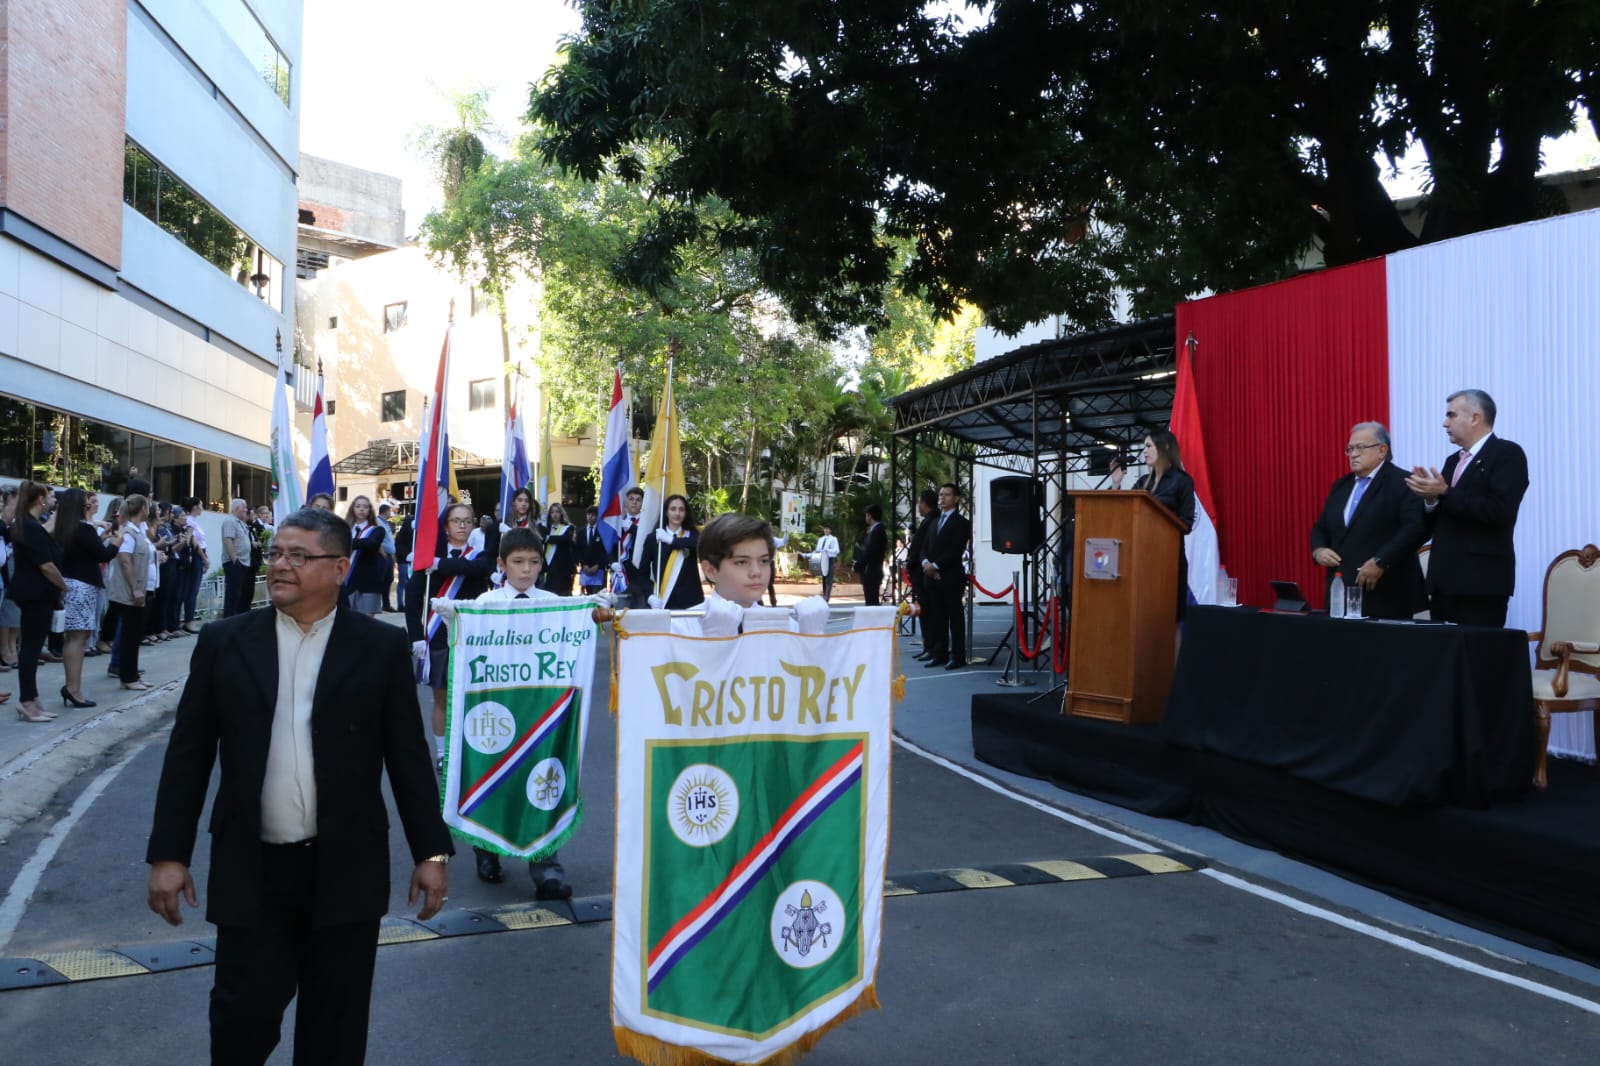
column 37, row 586
column 1169, row 483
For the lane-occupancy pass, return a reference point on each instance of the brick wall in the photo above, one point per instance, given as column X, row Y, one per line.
column 63, row 108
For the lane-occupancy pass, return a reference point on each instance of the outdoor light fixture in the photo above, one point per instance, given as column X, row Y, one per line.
column 259, row 279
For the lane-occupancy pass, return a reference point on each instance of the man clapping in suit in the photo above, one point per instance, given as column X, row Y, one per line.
column 1370, row 528
column 306, row 705
column 1471, row 511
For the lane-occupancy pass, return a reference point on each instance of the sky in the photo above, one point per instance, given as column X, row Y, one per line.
column 375, row 71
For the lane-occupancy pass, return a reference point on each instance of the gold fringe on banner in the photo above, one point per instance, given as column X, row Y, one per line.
column 654, row 1052
column 897, row 682
column 617, row 634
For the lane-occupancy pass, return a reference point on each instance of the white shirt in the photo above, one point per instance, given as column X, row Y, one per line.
column 152, row 577
column 1472, row 455
column 289, row 791
column 506, row 592
column 475, row 539
column 827, row 547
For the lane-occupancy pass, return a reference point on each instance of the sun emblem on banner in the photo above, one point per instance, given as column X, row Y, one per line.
column 546, row 783
column 704, row 805
column 802, row 924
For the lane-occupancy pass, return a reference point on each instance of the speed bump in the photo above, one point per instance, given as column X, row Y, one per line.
column 94, row 964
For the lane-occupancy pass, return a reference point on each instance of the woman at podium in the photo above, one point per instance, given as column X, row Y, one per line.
column 1169, row 483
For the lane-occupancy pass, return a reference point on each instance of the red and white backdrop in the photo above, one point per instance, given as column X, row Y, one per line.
column 1283, row 371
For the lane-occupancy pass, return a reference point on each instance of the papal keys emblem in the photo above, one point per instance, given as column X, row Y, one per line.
column 802, row 924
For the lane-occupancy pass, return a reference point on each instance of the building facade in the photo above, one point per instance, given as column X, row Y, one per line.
column 148, row 156
column 372, row 312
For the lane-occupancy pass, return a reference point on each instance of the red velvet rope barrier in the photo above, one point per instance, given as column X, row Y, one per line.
column 1052, row 616
column 1009, row 590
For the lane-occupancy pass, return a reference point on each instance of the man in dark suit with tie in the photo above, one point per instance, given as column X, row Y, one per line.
column 873, row 549
column 1370, row 529
column 916, row 551
column 942, row 568
column 306, row 706
column 1470, row 509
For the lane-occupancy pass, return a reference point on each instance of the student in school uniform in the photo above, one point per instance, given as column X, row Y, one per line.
column 365, row 585
column 591, row 554
column 671, row 565
column 736, row 557
column 522, row 560
column 560, row 550
column 461, row 572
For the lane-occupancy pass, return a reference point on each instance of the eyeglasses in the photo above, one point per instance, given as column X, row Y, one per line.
column 462, row 522
column 294, row 557
column 1357, row 449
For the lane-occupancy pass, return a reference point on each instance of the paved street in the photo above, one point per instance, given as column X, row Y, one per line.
column 1179, row 966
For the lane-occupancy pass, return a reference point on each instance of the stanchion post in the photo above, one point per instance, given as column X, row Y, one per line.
column 1012, row 678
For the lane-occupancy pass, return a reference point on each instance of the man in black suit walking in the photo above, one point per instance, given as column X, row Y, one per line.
column 873, row 548
column 942, row 568
column 1370, row 529
column 1470, row 509
column 306, row 706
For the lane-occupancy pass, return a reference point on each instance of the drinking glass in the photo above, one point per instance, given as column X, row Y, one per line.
column 1228, row 592
column 1352, row 602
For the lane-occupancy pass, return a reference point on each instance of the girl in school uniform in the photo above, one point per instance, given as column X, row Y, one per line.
column 671, row 563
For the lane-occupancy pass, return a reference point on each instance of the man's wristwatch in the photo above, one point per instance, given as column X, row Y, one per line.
column 441, row 859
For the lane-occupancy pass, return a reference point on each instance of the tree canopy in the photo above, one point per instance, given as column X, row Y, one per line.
column 1055, row 153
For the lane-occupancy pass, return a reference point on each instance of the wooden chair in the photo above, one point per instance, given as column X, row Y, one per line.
column 1566, row 675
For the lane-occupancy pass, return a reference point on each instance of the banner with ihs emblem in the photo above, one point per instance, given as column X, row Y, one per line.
column 752, row 832
column 519, row 686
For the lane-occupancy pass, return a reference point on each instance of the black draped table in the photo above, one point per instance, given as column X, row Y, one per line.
column 1393, row 712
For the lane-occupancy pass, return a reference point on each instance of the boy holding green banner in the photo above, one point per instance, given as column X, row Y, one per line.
column 521, row 559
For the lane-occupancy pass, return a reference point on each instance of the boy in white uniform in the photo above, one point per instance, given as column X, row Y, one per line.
column 521, row 559
column 736, row 557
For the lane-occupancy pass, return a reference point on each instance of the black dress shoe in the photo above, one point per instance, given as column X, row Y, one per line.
column 68, row 699
column 489, row 867
column 931, row 663
column 957, row 665
column 552, row 888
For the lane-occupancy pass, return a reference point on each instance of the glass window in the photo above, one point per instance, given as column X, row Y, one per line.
column 154, row 192
column 394, row 316
column 258, row 47
column 67, row 450
column 481, row 395
column 394, row 406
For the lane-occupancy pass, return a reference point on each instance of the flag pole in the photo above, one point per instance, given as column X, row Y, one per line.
column 670, row 408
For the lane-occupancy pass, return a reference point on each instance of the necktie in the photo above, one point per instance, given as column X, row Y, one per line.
column 940, row 527
column 455, row 553
column 520, row 596
column 1355, row 498
column 1461, row 465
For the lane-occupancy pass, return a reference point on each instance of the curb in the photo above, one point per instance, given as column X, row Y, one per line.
column 32, row 780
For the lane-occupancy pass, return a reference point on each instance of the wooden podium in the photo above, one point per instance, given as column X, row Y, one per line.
column 1124, row 606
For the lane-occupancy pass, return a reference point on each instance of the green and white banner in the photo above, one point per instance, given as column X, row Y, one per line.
column 521, row 676
column 752, row 830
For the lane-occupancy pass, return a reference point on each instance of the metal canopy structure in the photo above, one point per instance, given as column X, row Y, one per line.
column 1049, row 410
column 398, row 456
